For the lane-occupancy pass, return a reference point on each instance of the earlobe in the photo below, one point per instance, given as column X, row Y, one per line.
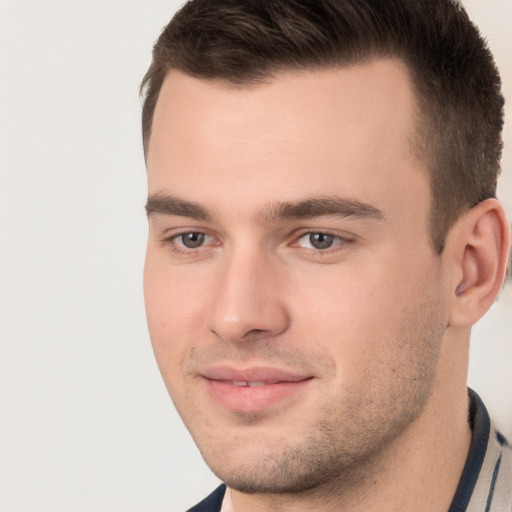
column 481, row 248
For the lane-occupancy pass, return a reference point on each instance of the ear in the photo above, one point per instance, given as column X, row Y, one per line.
column 479, row 247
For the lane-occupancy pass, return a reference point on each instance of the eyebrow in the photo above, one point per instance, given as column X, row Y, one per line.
column 164, row 204
column 323, row 206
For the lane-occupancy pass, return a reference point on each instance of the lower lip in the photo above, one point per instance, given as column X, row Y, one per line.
column 253, row 399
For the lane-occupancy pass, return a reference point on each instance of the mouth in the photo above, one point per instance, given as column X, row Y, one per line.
column 241, row 384
column 254, row 389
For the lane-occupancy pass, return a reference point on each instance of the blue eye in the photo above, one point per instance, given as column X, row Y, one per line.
column 191, row 240
column 319, row 241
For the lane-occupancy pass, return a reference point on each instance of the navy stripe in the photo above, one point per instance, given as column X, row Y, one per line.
column 493, row 484
column 501, row 439
column 481, row 425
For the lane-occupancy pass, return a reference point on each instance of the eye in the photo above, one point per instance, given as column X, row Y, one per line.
column 319, row 241
column 190, row 244
column 191, row 240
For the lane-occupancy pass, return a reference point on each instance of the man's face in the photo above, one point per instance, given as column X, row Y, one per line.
column 293, row 299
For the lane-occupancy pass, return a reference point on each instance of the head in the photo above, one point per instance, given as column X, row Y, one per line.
column 320, row 238
column 457, row 85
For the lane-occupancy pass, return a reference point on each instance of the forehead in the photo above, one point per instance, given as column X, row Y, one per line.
column 348, row 130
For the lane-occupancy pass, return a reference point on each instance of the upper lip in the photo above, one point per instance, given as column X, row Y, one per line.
column 268, row 375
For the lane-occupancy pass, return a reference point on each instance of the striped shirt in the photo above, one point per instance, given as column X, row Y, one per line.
column 486, row 481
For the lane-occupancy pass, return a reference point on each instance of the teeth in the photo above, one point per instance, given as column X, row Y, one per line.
column 243, row 383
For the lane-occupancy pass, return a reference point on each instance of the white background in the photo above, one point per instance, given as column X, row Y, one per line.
column 85, row 421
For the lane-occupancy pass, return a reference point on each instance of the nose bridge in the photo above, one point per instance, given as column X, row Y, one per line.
column 247, row 300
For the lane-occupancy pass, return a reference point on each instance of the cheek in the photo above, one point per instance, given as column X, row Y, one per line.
column 363, row 317
column 172, row 295
column 348, row 301
column 174, row 314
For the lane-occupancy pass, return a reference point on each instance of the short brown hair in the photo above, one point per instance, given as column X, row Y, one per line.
column 245, row 42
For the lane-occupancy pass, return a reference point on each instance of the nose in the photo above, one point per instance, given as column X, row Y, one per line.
column 248, row 299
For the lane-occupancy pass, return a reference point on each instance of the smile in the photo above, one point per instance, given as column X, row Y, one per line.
column 253, row 389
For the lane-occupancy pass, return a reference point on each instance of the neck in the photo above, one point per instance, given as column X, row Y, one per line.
column 422, row 466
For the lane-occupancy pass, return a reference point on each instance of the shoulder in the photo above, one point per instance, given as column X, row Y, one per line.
column 211, row 503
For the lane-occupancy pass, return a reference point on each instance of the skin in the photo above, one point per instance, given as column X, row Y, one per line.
column 367, row 322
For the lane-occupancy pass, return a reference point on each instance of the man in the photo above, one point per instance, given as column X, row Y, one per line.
column 323, row 234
